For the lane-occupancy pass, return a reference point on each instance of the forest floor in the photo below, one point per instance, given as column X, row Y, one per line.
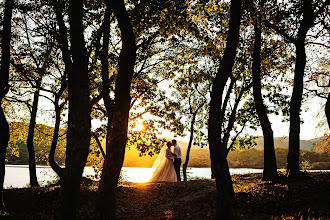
column 307, row 198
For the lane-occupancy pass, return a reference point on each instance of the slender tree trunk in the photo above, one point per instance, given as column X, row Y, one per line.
column 99, row 144
column 295, row 104
column 58, row 170
column 185, row 165
column 62, row 36
column 29, row 142
column 79, row 120
column 64, row 45
column 106, row 201
column 270, row 167
column 225, row 192
column 4, row 76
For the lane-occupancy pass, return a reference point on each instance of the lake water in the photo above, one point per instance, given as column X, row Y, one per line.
column 17, row 176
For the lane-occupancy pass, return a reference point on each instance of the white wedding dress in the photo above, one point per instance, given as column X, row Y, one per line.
column 163, row 168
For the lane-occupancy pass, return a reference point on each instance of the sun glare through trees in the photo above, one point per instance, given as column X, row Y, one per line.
column 173, row 88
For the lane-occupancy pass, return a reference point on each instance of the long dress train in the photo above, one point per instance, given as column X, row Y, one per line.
column 163, row 168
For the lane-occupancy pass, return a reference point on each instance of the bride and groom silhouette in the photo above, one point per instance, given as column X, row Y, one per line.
column 166, row 167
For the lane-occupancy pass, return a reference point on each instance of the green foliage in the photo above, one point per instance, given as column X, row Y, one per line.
column 147, row 143
column 18, row 152
column 243, row 143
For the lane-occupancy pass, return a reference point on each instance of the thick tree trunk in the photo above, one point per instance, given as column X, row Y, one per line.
column 295, row 104
column 225, row 192
column 79, row 120
column 116, row 143
column 4, row 76
column 29, row 142
column 185, row 165
column 4, row 138
column 270, row 167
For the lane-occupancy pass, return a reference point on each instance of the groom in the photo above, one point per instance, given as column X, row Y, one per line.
column 177, row 159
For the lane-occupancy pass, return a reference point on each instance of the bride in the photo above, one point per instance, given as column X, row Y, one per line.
column 163, row 168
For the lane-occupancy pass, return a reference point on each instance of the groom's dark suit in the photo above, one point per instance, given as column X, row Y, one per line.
column 177, row 161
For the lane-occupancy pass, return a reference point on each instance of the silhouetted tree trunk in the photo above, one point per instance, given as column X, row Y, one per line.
column 99, row 144
column 4, row 76
column 270, row 168
column 115, row 151
column 64, row 45
column 79, row 120
column 29, row 142
column 58, row 170
column 218, row 148
column 185, row 165
column 295, row 103
column 327, row 110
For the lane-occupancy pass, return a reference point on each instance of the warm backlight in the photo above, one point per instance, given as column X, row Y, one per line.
column 135, row 175
column 138, row 127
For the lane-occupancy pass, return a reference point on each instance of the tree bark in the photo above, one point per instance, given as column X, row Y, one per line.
column 4, row 76
column 295, row 103
column 185, row 165
column 29, row 142
column 225, row 192
column 106, row 201
column 79, row 119
column 270, row 167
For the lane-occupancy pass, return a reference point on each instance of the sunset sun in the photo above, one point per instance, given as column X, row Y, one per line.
column 138, row 127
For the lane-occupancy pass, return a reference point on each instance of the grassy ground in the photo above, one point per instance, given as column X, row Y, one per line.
column 255, row 199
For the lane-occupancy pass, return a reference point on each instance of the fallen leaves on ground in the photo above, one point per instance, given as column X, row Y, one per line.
column 307, row 198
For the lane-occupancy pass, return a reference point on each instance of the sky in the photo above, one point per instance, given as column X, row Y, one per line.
column 308, row 130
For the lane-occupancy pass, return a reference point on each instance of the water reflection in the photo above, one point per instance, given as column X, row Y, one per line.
column 136, row 175
column 17, row 176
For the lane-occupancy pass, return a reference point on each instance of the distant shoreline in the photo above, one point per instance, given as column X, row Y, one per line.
column 41, row 166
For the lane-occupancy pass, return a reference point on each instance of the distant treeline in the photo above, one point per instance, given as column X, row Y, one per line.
column 248, row 158
column 254, row 158
column 17, row 153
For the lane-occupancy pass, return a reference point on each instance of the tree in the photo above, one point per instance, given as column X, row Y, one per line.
column 270, row 168
column 285, row 25
column 79, row 120
column 35, row 60
column 58, row 108
column 294, row 139
column 192, row 89
column 106, row 208
column 218, row 151
column 4, row 74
